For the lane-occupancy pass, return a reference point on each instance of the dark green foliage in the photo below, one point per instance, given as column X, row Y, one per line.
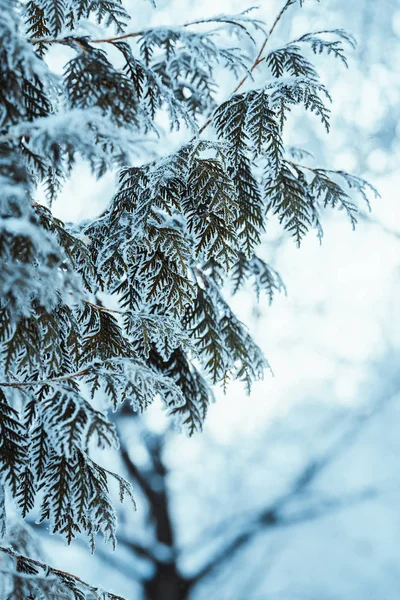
column 196, row 392
column 212, row 222
column 91, row 81
column 50, row 17
column 36, row 24
column 263, row 130
column 331, row 194
column 203, row 320
column 265, row 278
column 13, row 445
column 319, row 42
column 250, row 222
column 287, row 197
column 290, row 60
column 103, row 336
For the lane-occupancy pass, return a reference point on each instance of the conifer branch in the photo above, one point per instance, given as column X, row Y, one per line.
column 62, row 576
column 259, row 58
column 300, row 166
column 104, row 308
column 125, row 36
column 20, row 384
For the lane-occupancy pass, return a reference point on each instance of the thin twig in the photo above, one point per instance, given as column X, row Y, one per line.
column 299, row 166
column 259, row 58
column 112, row 40
column 19, row 384
column 104, row 308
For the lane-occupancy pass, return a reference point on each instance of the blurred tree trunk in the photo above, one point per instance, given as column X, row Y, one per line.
column 167, row 582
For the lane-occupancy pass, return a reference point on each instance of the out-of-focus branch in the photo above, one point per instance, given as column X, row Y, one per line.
column 135, row 473
column 394, row 233
column 271, row 519
column 274, row 515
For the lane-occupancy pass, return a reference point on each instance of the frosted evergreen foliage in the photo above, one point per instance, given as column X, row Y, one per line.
column 130, row 306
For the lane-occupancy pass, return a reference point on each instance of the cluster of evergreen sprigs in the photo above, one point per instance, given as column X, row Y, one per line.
column 129, row 306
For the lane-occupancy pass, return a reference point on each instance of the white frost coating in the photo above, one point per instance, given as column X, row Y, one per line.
column 23, row 227
column 74, row 128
